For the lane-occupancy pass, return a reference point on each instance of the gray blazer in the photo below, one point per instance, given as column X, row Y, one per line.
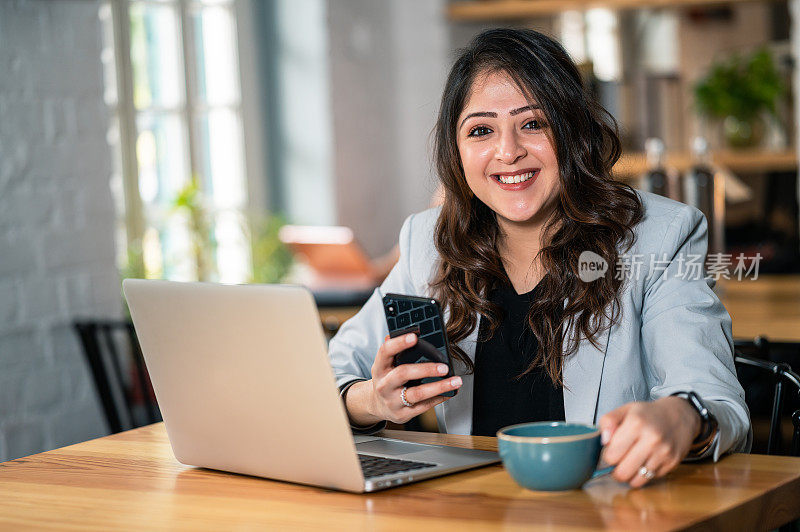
column 673, row 335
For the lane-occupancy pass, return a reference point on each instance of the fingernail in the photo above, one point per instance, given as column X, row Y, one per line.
column 455, row 381
column 442, row 368
column 605, row 436
column 410, row 338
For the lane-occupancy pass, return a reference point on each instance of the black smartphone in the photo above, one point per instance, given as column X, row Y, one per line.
column 423, row 317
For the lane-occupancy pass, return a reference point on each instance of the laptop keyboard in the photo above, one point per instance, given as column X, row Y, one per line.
column 375, row 466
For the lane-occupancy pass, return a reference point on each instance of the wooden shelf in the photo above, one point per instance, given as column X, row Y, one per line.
column 767, row 306
column 632, row 165
column 489, row 10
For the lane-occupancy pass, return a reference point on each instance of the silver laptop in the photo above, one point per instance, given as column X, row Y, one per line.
column 242, row 377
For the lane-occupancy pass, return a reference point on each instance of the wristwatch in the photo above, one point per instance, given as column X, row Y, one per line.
column 708, row 423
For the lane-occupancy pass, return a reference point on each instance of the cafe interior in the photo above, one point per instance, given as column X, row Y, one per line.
column 285, row 142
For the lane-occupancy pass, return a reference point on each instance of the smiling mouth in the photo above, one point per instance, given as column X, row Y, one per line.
column 515, row 178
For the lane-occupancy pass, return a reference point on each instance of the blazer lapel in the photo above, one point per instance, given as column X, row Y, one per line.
column 454, row 416
column 583, row 372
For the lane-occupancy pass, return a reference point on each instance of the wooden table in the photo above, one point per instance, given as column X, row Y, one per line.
column 768, row 306
column 132, row 481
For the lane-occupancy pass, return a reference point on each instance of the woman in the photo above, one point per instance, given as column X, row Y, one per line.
column 528, row 257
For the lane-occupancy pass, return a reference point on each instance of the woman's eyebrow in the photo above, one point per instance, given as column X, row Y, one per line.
column 492, row 114
column 479, row 113
column 524, row 108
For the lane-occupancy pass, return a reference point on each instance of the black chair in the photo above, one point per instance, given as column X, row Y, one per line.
column 773, row 351
column 120, row 377
column 766, row 382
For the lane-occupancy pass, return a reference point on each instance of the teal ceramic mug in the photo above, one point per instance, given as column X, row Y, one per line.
column 551, row 455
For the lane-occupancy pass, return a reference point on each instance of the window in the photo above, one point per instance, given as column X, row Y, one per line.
column 172, row 84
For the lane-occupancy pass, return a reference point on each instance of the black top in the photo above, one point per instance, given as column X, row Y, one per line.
column 499, row 398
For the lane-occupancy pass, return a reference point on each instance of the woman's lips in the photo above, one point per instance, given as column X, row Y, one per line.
column 516, row 181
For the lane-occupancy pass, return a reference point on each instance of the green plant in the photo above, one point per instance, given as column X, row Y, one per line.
column 271, row 258
column 134, row 262
column 190, row 200
column 132, row 269
column 742, row 87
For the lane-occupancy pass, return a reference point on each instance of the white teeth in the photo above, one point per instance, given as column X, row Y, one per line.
column 519, row 178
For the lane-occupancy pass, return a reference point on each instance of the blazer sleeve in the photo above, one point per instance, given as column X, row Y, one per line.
column 352, row 350
column 687, row 337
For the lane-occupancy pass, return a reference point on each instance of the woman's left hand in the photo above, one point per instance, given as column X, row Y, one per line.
column 656, row 435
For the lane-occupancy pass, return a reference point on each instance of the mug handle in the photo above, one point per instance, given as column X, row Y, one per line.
column 603, row 471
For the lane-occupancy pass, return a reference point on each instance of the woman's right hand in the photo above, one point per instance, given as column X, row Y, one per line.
column 388, row 382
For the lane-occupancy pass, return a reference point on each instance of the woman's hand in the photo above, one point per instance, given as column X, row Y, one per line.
column 388, row 382
column 656, row 435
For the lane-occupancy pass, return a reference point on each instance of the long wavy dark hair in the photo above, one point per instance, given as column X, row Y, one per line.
column 593, row 212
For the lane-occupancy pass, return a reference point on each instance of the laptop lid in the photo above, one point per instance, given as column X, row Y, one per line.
column 242, row 377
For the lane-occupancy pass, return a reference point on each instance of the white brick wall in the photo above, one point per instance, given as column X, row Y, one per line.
column 56, row 221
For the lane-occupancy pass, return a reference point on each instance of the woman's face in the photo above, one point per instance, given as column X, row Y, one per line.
column 508, row 158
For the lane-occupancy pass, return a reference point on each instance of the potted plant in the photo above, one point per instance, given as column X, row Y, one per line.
column 272, row 260
column 738, row 91
column 191, row 201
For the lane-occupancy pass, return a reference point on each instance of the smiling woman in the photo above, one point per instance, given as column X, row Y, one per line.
column 507, row 149
column 516, row 105
column 524, row 157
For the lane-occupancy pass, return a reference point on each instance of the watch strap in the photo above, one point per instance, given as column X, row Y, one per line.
column 358, row 429
column 708, row 424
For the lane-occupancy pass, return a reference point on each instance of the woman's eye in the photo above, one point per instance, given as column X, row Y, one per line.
column 534, row 124
column 479, row 131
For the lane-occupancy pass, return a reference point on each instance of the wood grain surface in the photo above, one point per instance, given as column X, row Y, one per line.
column 132, row 481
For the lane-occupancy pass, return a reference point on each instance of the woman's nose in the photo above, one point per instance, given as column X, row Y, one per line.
column 509, row 150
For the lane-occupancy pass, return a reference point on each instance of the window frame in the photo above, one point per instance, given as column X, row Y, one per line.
column 188, row 110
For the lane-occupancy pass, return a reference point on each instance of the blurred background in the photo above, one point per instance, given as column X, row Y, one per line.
column 242, row 141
